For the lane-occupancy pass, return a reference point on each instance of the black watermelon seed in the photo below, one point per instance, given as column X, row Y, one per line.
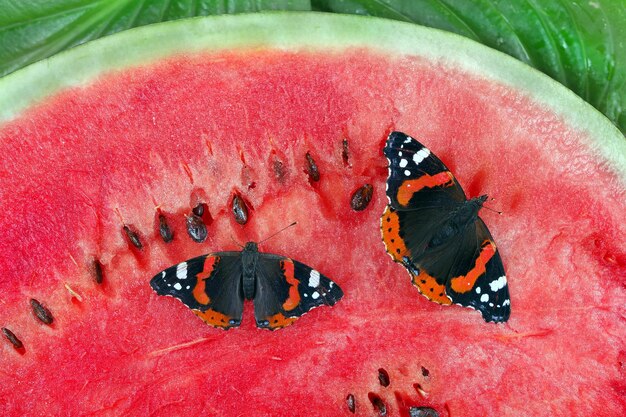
column 198, row 210
column 378, row 403
column 423, row 412
column 312, row 169
column 164, row 229
column 345, row 153
column 351, row 402
column 133, row 237
column 240, row 211
column 383, row 377
column 11, row 337
column 196, row 228
column 425, row 372
column 41, row 312
column 97, row 270
column 361, row 198
column 279, row 169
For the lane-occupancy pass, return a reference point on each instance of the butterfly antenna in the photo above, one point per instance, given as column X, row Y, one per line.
column 235, row 242
column 494, row 210
column 281, row 230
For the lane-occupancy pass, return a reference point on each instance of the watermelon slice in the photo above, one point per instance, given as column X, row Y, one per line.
column 107, row 150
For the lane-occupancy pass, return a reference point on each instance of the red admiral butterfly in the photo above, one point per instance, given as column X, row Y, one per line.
column 214, row 286
column 432, row 229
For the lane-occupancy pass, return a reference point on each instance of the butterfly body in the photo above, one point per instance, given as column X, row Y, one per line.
column 435, row 232
column 215, row 286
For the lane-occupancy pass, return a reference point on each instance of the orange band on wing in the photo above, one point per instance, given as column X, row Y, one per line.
column 410, row 187
column 279, row 320
column 199, row 292
column 214, row 318
column 466, row 282
column 294, row 296
column 390, row 227
column 430, row 288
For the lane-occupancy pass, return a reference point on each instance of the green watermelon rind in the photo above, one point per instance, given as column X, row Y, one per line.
column 310, row 32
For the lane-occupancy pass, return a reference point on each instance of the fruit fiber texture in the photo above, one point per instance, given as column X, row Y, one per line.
column 161, row 138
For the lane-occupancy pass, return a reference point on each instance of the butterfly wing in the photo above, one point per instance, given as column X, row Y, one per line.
column 286, row 289
column 210, row 285
column 417, row 178
column 482, row 284
column 422, row 195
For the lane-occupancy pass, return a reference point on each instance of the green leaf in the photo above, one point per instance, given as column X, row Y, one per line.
column 580, row 44
column 36, row 29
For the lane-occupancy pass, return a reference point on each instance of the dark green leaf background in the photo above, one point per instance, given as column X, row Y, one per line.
column 581, row 44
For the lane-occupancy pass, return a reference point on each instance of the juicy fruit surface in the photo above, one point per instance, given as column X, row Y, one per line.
column 199, row 129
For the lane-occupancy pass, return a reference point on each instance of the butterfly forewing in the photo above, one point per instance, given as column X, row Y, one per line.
column 210, row 285
column 417, row 178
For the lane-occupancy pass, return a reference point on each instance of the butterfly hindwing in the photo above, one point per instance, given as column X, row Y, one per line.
column 484, row 286
column 210, row 285
column 286, row 289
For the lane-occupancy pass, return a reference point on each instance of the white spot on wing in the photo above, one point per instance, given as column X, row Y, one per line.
column 178, row 286
column 419, row 156
column 407, row 172
column 498, row 284
column 181, row 270
column 484, row 298
column 478, row 290
column 403, row 163
column 315, row 295
column 314, row 279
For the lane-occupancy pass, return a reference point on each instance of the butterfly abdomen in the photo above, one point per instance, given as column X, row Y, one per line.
column 249, row 260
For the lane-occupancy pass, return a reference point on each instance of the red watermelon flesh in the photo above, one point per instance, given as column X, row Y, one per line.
column 199, row 128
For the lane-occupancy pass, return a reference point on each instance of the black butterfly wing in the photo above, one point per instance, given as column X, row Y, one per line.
column 422, row 195
column 417, row 178
column 210, row 285
column 286, row 289
column 482, row 284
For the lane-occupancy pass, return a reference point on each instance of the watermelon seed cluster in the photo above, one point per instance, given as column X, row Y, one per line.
column 382, row 409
